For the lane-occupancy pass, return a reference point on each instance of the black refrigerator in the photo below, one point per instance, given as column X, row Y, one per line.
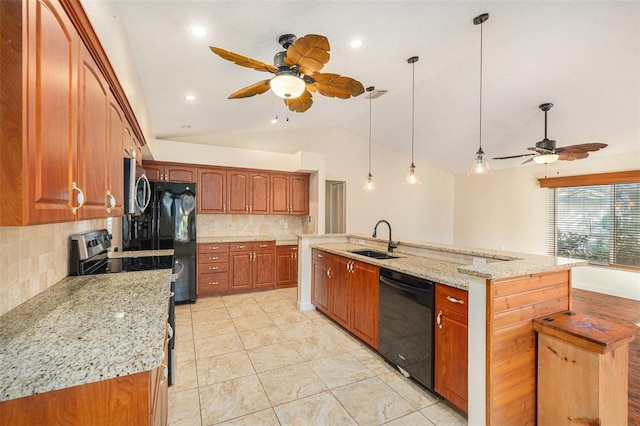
column 168, row 222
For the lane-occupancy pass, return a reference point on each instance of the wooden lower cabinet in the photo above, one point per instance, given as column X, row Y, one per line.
column 252, row 265
column 213, row 268
column 134, row 399
column 286, row 266
column 348, row 291
column 451, row 345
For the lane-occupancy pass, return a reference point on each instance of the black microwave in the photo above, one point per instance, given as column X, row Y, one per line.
column 137, row 190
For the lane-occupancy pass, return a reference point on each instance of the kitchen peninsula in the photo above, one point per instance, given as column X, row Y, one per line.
column 505, row 292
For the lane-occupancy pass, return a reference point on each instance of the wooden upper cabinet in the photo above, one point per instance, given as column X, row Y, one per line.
column 259, row 192
column 238, row 188
column 212, row 190
column 39, row 125
column 289, row 193
column 115, row 176
column 93, row 152
column 170, row 172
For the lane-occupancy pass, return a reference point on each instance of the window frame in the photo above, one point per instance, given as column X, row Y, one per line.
column 631, row 176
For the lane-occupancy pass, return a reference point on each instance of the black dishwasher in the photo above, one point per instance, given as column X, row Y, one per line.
column 406, row 324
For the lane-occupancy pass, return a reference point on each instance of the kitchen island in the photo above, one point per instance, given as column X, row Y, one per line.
column 86, row 348
column 505, row 291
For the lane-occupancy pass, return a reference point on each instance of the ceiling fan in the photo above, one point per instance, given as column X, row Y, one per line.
column 546, row 152
column 296, row 72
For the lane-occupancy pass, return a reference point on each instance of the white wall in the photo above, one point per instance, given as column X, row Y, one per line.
column 507, row 210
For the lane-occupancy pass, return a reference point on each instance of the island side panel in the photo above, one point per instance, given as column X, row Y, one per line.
column 511, row 342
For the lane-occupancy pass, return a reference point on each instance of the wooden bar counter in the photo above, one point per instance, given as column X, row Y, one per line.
column 582, row 370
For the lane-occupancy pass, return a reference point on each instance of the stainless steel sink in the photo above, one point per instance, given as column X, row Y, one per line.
column 374, row 254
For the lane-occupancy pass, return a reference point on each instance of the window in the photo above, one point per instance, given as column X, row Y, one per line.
column 599, row 223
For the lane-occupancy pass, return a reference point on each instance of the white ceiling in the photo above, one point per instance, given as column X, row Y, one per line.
column 583, row 56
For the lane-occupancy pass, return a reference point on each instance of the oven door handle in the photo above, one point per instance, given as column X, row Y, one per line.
column 402, row 286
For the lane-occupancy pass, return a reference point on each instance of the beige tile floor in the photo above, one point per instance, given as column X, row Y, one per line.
column 254, row 359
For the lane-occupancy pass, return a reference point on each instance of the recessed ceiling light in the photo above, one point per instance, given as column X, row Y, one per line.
column 198, row 31
column 190, row 97
column 356, row 43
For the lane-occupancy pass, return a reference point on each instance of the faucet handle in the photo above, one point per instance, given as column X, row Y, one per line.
column 392, row 245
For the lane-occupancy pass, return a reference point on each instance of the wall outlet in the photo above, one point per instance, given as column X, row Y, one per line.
column 286, row 225
column 232, row 226
column 479, row 260
column 361, row 242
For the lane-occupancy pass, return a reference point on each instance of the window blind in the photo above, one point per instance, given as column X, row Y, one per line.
column 598, row 223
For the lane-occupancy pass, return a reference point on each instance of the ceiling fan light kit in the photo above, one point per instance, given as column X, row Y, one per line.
column 412, row 177
column 480, row 166
column 287, row 86
column 546, row 158
column 369, row 184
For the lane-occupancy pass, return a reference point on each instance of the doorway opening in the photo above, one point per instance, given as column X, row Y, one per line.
column 335, row 207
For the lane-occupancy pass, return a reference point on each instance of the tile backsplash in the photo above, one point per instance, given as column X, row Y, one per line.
column 33, row 258
column 280, row 227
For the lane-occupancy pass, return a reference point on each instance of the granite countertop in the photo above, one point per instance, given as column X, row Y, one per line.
column 243, row 239
column 448, row 264
column 140, row 253
column 82, row 330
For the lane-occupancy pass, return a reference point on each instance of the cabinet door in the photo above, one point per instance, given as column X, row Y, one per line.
column 263, row 269
column 364, row 302
column 240, row 270
column 284, row 267
column 212, row 190
column 51, row 116
column 154, row 172
column 178, row 173
column 339, row 291
column 115, row 175
column 451, row 345
column 259, row 193
column 279, row 194
column 238, row 188
column 92, row 137
column 299, row 194
column 320, row 280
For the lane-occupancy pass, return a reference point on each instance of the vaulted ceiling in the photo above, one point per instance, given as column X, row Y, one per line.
column 583, row 56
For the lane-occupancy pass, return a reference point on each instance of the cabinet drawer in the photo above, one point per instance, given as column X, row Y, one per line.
column 212, row 257
column 452, row 299
column 212, row 248
column 245, row 246
column 209, row 268
column 213, row 283
column 320, row 255
column 264, row 245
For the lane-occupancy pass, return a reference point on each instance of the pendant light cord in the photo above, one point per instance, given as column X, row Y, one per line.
column 413, row 105
column 370, row 132
column 481, row 25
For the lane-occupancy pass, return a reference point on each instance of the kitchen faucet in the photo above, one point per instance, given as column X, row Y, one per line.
column 391, row 245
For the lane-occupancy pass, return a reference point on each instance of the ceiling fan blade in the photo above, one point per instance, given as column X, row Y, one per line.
column 337, row 86
column 243, row 61
column 585, row 147
column 255, row 89
column 570, row 156
column 301, row 103
column 310, row 53
column 512, row 156
column 528, row 160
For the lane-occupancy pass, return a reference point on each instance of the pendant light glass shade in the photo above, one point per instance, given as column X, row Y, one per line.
column 287, row 86
column 369, row 184
column 480, row 166
column 412, row 177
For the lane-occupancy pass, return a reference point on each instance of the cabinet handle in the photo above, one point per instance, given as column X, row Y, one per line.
column 295, row 255
column 171, row 294
column 224, row 207
column 213, row 282
column 246, row 209
column 213, row 248
column 291, row 255
column 169, row 331
column 264, row 245
column 79, row 199
column 213, row 258
column 454, row 300
column 241, row 247
column 320, row 256
column 250, row 209
column 329, row 272
column 112, row 201
column 439, row 319
column 165, row 374
column 213, row 268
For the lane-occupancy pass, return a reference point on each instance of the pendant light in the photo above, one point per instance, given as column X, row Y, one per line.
column 412, row 177
column 369, row 184
column 479, row 166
